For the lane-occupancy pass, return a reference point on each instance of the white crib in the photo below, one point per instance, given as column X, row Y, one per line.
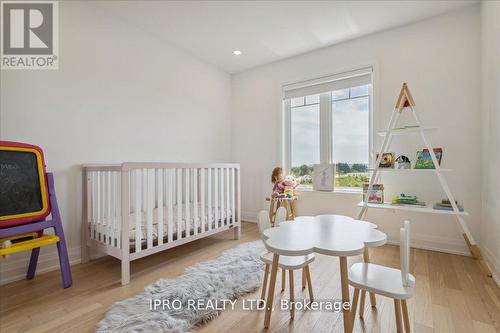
column 132, row 210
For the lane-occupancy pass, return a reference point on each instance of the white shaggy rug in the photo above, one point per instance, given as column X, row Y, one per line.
column 235, row 272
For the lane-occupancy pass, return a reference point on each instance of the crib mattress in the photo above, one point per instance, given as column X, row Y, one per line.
column 201, row 221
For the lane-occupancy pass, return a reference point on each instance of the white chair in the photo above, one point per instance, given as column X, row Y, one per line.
column 285, row 262
column 390, row 282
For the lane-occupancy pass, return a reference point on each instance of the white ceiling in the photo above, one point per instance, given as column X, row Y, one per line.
column 266, row 31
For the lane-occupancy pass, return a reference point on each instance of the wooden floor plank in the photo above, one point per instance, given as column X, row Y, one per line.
column 451, row 294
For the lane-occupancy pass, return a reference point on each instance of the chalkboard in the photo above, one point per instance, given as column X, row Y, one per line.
column 22, row 195
column 19, row 183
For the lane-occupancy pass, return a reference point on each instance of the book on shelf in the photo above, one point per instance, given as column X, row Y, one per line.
column 375, row 194
column 424, row 160
column 406, row 127
column 445, row 204
column 420, row 204
column 439, row 206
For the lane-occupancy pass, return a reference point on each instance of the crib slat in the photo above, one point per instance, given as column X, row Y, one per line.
column 216, row 197
column 111, row 222
column 202, row 199
column 170, row 211
column 91, row 190
column 228, row 207
column 118, row 209
column 187, row 203
column 107, row 227
column 138, row 208
column 221, row 222
column 209, row 199
column 179, row 203
column 102, row 204
column 93, row 182
column 144, row 189
column 108, row 207
column 159, row 210
column 107, row 204
column 149, row 206
column 98, row 204
column 233, row 195
column 195, row 201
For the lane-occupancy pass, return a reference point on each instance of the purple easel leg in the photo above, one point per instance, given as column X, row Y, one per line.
column 61, row 245
column 33, row 261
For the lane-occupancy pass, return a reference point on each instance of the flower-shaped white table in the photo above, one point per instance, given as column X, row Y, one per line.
column 333, row 235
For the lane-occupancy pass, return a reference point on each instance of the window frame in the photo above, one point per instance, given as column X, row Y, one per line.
column 326, row 134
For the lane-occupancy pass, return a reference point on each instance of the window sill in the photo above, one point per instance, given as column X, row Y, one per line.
column 341, row 190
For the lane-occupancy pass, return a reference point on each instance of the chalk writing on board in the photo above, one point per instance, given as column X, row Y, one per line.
column 20, row 190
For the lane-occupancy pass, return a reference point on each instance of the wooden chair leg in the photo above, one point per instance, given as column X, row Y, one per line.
column 292, row 296
column 286, row 206
column 309, row 283
column 271, row 212
column 283, row 279
column 344, row 285
column 406, row 318
column 397, row 311
column 366, row 258
column 264, row 283
column 362, row 303
column 270, row 294
column 355, row 298
column 373, row 300
column 292, row 209
column 303, row 279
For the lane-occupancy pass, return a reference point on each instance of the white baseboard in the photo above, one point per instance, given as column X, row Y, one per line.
column 433, row 243
column 47, row 261
column 493, row 264
column 249, row 216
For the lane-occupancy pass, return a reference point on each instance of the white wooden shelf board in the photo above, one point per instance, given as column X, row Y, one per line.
column 409, row 170
column 425, row 209
column 407, row 130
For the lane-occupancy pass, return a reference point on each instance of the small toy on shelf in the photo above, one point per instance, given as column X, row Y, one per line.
column 404, row 199
column 403, row 162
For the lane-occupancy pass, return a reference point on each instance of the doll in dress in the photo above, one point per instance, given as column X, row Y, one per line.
column 277, row 180
column 283, row 186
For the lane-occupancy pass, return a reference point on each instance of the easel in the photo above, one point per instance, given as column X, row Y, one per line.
column 35, row 228
column 277, row 202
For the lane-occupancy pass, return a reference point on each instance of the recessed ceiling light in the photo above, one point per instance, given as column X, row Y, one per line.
column 236, row 52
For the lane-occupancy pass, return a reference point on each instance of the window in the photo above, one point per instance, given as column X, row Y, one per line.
column 329, row 121
column 304, row 136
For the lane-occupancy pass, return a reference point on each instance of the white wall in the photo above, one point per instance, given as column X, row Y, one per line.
column 119, row 95
column 490, row 222
column 440, row 60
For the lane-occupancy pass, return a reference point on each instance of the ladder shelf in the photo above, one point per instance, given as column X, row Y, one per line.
column 405, row 102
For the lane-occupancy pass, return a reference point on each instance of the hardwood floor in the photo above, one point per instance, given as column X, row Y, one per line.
column 452, row 294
